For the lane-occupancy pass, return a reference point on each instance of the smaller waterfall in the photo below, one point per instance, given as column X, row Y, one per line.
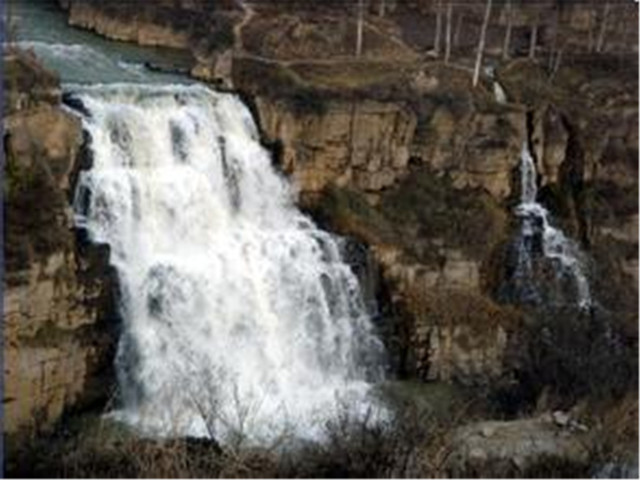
column 499, row 93
column 538, row 238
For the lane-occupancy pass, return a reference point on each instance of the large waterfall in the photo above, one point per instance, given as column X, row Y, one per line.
column 239, row 315
column 538, row 238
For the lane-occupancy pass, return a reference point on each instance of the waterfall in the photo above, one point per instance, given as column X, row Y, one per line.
column 239, row 315
column 537, row 236
column 498, row 92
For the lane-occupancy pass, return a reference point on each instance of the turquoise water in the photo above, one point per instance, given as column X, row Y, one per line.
column 80, row 56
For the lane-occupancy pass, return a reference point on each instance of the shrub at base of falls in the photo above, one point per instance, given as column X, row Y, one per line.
column 564, row 355
column 418, row 443
column 355, row 448
column 413, row 443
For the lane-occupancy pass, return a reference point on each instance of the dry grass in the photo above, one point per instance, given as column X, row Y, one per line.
column 353, row 75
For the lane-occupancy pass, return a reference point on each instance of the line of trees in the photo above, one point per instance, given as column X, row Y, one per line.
column 451, row 16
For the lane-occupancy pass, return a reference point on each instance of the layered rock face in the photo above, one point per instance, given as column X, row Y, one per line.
column 58, row 348
column 165, row 23
column 142, row 30
column 364, row 144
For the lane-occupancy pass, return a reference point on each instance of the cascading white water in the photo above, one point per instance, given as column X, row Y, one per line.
column 239, row 316
column 563, row 252
column 498, row 93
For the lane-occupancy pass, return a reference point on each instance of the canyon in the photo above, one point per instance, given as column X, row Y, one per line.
column 395, row 151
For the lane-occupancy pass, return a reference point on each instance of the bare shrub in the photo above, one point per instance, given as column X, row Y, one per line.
column 411, row 442
column 576, row 354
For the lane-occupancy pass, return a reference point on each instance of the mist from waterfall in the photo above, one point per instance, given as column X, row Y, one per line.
column 239, row 315
column 538, row 236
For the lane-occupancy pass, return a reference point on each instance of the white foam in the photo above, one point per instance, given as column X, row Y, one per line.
column 239, row 314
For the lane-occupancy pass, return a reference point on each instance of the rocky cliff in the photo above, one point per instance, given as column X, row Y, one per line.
column 57, row 296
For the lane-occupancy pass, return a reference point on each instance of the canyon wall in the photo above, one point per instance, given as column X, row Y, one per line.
column 58, row 338
column 400, row 152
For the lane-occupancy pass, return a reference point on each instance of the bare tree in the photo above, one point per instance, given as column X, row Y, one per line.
column 533, row 41
column 436, row 41
column 506, row 46
column 554, row 36
column 483, row 37
column 603, row 27
column 10, row 23
column 447, row 51
column 556, row 64
column 359, row 28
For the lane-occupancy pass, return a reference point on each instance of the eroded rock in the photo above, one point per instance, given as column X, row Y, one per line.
column 57, row 300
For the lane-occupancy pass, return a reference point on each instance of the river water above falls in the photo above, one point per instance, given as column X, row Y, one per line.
column 239, row 313
column 78, row 56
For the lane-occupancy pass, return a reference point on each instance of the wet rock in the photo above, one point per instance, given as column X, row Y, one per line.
column 561, row 418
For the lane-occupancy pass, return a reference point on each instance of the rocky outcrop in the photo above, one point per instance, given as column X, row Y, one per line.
column 26, row 84
column 58, row 346
column 139, row 29
column 545, row 445
column 166, row 24
column 363, row 144
column 367, row 144
column 57, row 357
column 456, row 333
column 359, row 126
column 477, row 148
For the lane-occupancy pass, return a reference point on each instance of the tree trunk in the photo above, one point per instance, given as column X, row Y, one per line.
column 506, row 46
column 556, row 65
column 382, row 8
column 483, row 37
column 534, row 40
column 554, row 38
column 359, row 28
column 603, row 27
column 436, row 41
column 447, row 52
